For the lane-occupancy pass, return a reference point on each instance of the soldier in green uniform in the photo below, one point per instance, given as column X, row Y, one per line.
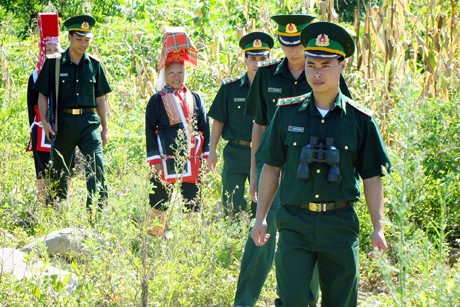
column 274, row 79
column 233, row 125
column 81, row 109
column 320, row 143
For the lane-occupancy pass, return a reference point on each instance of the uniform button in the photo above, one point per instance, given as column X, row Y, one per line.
column 295, row 83
column 239, row 107
column 295, row 143
column 78, row 94
column 76, row 80
column 63, row 81
column 323, row 121
column 318, row 171
column 274, row 100
column 346, row 147
column 317, row 196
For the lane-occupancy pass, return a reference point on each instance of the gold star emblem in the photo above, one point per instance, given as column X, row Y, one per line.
column 322, row 40
column 291, row 28
column 257, row 43
column 85, row 25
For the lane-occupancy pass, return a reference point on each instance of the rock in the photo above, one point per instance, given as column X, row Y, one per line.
column 12, row 261
column 66, row 242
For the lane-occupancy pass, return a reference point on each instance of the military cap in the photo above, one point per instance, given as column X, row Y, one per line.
column 324, row 39
column 290, row 26
column 256, row 43
column 81, row 24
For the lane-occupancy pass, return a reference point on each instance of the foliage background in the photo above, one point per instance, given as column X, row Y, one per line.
column 406, row 70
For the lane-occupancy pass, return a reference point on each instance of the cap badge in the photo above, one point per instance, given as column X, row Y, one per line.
column 291, row 28
column 257, row 43
column 85, row 25
column 322, row 40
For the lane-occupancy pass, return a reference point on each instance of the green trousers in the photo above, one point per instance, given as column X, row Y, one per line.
column 82, row 131
column 257, row 261
column 235, row 174
column 328, row 240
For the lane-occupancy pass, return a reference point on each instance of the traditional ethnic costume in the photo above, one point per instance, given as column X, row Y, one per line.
column 177, row 131
column 48, row 25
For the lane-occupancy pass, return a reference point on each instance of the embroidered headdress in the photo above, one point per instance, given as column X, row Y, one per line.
column 48, row 25
column 177, row 47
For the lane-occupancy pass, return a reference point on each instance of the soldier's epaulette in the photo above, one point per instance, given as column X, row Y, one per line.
column 94, row 58
column 291, row 100
column 232, row 79
column 56, row 55
column 269, row 63
column 360, row 107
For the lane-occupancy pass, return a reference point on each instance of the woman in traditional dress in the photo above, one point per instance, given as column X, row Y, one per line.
column 177, row 130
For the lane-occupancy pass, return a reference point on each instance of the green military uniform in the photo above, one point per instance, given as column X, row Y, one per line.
column 78, row 122
column 308, row 237
column 228, row 107
column 272, row 81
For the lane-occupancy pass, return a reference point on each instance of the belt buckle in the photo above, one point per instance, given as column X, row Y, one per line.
column 315, row 207
column 76, row 111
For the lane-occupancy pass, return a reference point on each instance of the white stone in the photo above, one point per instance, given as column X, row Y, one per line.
column 12, row 262
column 65, row 242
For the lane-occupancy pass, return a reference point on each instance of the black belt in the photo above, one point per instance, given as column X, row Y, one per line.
column 322, row 207
column 241, row 142
column 78, row 111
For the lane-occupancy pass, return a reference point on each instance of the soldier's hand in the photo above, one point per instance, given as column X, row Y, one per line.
column 379, row 244
column 104, row 137
column 259, row 233
column 48, row 130
column 212, row 161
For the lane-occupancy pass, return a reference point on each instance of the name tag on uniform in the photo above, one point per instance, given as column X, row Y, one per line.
column 295, row 129
column 275, row 90
column 64, row 74
column 239, row 99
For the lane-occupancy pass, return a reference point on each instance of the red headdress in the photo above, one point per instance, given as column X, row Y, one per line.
column 48, row 24
column 177, row 47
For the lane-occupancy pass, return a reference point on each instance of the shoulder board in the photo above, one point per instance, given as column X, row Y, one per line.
column 56, row 55
column 94, row 58
column 291, row 100
column 360, row 107
column 232, row 79
column 269, row 63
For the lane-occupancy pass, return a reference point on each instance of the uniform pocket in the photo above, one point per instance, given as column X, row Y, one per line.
column 349, row 217
column 65, row 87
column 348, row 148
column 88, row 89
column 295, row 139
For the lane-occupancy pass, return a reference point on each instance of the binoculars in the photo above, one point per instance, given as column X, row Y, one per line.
column 320, row 153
